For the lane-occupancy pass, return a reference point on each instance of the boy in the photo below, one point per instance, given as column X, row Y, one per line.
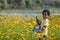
column 44, row 24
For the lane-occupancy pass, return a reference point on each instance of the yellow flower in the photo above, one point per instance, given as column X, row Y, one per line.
column 27, row 31
column 23, row 38
column 34, row 22
column 22, row 34
column 0, row 29
column 19, row 39
column 2, row 36
column 14, row 32
column 29, row 24
column 0, row 32
column 7, row 36
column 13, row 26
column 9, row 30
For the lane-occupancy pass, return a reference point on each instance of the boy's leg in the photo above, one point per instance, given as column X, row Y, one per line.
column 40, row 38
column 45, row 34
column 45, row 37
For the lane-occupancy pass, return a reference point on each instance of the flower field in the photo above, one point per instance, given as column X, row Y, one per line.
column 20, row 28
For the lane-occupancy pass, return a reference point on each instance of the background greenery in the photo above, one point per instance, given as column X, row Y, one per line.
column 29, row 4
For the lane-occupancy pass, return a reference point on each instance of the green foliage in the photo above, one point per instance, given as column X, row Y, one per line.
column 32, row 4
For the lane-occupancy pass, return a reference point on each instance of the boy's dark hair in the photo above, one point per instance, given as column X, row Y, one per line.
column 46, row 11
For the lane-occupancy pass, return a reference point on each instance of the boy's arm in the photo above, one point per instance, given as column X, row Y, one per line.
column 38, row 21
column 45, row 24
column 46, row 27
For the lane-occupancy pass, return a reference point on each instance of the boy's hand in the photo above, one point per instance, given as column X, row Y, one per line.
column 44, row 26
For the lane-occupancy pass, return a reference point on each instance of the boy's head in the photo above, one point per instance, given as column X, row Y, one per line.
column 46, row 14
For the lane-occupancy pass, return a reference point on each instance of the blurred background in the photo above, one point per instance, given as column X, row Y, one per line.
column 28, row 5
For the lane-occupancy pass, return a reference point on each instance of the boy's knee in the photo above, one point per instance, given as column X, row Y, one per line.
column 44, row 36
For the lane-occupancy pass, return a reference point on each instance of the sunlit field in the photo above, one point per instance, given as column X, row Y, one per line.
column 20, row 28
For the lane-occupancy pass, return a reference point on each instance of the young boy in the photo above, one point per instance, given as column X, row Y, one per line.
column 44, row 24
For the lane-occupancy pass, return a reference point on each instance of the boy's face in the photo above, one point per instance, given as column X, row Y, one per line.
column 45, row 15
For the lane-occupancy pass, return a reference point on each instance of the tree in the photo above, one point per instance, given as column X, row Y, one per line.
column 5, row 4
column 22, row 2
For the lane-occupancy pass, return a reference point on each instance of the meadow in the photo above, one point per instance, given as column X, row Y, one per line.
column 20, row 28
